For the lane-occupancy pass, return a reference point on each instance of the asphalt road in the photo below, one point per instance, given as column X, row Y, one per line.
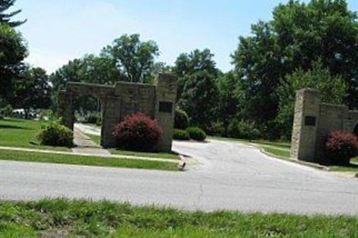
column 229, row 176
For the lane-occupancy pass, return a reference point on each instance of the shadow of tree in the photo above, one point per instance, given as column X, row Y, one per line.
column 13, row 127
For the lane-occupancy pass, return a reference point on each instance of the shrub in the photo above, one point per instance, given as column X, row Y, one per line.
column 93, row 118
column 196, row 133
column 181, row 135
column 243, row 130
column 56, row 135
column 181, row 119
column 7, row 111
column 137, row 132
column 340, row 147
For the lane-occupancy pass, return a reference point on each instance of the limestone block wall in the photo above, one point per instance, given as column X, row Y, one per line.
column 305, row 125
column 165, row 108
column 124, row 99
column 313, row 121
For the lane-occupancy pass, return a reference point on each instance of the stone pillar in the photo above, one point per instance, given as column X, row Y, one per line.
column 306, row 119
column 65, row 109
column 111, row 116
column 165, row 109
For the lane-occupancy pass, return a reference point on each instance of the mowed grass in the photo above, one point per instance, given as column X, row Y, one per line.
column 85, row 160
column 69, row 218
column 23, row 133
column 160, row 155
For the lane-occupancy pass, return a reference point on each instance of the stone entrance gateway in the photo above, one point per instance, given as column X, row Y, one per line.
column 122, row 99
column 314, row 120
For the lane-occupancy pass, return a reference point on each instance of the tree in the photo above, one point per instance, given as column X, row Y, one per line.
column 199, row 98
column 194, row 62
column 333, row 89
column 99, row 70
column 299, row 35
column 134, row 59
column 228, row 101
column 12, row 53
column 5, row 18
column 33, row 91
column 258, row 63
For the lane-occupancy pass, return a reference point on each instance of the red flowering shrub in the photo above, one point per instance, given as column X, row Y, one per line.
column 137, row 132
column 341, row 146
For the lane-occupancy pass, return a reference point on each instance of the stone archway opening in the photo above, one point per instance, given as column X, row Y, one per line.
column 88, row 109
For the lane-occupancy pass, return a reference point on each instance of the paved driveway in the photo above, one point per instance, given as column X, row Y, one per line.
column 228, row 175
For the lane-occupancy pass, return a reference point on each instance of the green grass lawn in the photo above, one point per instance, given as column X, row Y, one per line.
column 95, row 138
column 23, row 133
column 68, row 218
column 159, row 155
column 353, row 167
column 85, row 160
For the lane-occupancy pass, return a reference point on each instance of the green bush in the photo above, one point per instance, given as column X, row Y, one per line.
column 7, row 111
column 55, row 134
column 243, row 130
column 93, row 118
column 196, row 133
column 181, row 119
column 181, row 135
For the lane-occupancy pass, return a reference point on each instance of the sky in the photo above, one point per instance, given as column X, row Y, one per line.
column 57, row 31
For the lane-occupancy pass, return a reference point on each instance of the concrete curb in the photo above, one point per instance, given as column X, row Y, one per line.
column 312, row 165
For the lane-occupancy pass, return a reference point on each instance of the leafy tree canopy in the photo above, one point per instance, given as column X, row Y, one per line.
column 12, row 52
column 333, row 89
column 299, row 35
column 199, row 98
column 134, row 59
column 192, row 63
column 33, row 91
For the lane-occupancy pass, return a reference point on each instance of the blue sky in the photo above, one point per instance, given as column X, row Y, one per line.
column 60, row 30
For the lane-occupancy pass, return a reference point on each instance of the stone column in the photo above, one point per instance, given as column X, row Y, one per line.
column 111, row 116
column 65, row 109
column 165, row 108
column 306, row 119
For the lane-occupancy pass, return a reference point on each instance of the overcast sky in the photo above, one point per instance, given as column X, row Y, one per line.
column 60, row 30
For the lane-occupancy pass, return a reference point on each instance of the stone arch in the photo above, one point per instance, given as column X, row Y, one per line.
column 121, row 99
column 77, row 90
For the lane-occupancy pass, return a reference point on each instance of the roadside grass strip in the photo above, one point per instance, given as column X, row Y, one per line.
column 77, row 218
column 26, row 155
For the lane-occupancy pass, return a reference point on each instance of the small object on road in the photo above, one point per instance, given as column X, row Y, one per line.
column 182, row 165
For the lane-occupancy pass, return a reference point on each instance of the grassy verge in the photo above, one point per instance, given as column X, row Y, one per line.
column 145, row 154
column 97, row 140
column 85, row 160
column 353, row 167
column 22, row 133
column 65, row 218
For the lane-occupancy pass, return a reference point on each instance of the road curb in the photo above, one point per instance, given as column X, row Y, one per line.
column 312, row 165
